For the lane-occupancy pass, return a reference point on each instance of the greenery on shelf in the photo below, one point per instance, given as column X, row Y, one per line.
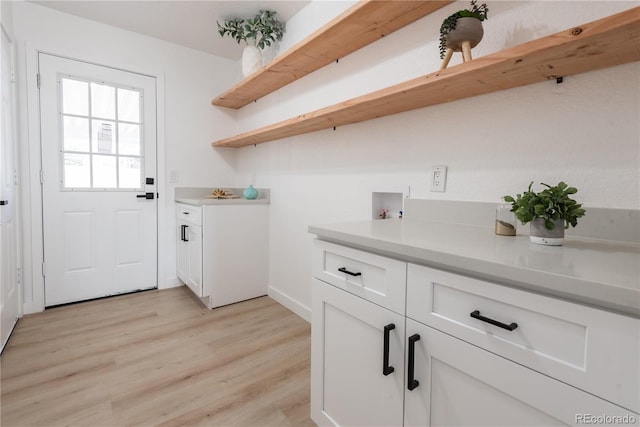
column 449, row 24
column 262, row 30
column 550, row 204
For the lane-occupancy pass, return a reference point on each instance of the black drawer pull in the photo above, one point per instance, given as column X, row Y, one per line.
column 412, row 383
column 386, row 369
column 350, row 273
column 510, row 327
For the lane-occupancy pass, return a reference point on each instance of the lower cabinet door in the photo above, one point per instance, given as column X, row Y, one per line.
column 182, row 252
column 356, row 379
column 194, row 280
column 462, row 385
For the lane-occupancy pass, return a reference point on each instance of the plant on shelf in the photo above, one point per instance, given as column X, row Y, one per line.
column 550, row 211
column 262, row 30
column 459, row 33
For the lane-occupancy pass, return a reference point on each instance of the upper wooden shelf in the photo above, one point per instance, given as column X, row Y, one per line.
column 364, row 23
column 607, row 42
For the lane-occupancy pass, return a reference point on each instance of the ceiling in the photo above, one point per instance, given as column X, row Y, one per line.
column 190, row 23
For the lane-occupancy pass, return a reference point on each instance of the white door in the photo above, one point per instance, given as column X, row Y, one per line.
column 357, row 380
column 98, row 128
column 10, row 293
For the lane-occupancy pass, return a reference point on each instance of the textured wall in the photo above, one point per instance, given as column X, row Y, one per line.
column 584, row 131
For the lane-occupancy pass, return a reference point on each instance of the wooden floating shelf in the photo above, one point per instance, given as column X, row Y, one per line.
column 604, row 43
column 364, row 23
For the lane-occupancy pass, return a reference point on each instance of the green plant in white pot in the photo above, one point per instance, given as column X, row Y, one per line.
column 257, row 33
column 550, row 212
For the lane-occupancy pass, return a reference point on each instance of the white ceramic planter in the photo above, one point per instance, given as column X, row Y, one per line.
column 251, row 60
column 541, row 235
column 467, row 29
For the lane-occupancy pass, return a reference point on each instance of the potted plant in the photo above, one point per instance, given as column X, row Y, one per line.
column 257, row 33
column 462, row 31
column 550, row 212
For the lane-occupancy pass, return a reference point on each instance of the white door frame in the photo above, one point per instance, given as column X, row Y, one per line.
column 17, row 213
column 33, row 281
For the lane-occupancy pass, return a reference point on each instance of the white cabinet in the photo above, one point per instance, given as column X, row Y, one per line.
column 357, row 338
column 475, row 352
column 463, row 385
column 189, row 250
column 357, row 359
column 223, row 251
column 590, row 349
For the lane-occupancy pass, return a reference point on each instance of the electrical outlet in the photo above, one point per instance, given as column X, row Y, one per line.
column 173, row 176
column 438, row 178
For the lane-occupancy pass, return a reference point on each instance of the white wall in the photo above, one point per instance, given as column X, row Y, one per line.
column 191, row 79
column 584, row 131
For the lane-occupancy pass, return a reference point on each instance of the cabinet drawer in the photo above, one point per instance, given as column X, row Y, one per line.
column 592, row 349
column 375, row 278
column 189, row 213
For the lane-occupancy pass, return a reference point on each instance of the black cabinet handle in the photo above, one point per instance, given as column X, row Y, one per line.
column 476, row 315
column 184, row 233
column 350, row 273
column 412, row 383
column 386, row 369
column 185, row 213
column 4, row 202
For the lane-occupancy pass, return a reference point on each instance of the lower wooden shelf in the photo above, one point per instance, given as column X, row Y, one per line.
column 604, row 43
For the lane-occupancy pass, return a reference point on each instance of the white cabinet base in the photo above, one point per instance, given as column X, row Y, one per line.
column 226, row 256
column 463, row 385
column 348, row 385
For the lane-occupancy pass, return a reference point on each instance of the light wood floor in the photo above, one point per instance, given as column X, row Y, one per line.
column 158, row 358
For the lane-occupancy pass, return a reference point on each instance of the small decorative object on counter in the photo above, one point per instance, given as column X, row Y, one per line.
column 219, row 193
column 505, row 221
column 461, row 32
column 384, row 213
column 250, row 193
column 550, row 212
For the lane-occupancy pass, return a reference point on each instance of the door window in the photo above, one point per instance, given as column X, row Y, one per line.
column 101, row 136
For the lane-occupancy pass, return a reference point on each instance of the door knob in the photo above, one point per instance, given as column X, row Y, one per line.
column 146, row 196
column 4, row 202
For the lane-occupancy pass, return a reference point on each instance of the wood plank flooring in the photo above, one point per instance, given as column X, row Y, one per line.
column 158, row 358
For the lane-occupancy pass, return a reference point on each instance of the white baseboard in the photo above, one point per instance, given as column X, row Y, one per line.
column 31, row 307
column 170, row 282
column 293, row 305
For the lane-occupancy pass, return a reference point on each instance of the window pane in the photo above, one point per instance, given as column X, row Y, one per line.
column 129, row 105
column 104, row 172
column 103, row 137
column 76, row 134
column 75, row 97
column 76, row 171
column 130, row 173
column 129, row 139
column 103, row 101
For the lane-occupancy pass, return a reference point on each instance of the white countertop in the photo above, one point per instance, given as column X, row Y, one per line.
column 199, row 196
column 202, row 201
column 601, row 273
